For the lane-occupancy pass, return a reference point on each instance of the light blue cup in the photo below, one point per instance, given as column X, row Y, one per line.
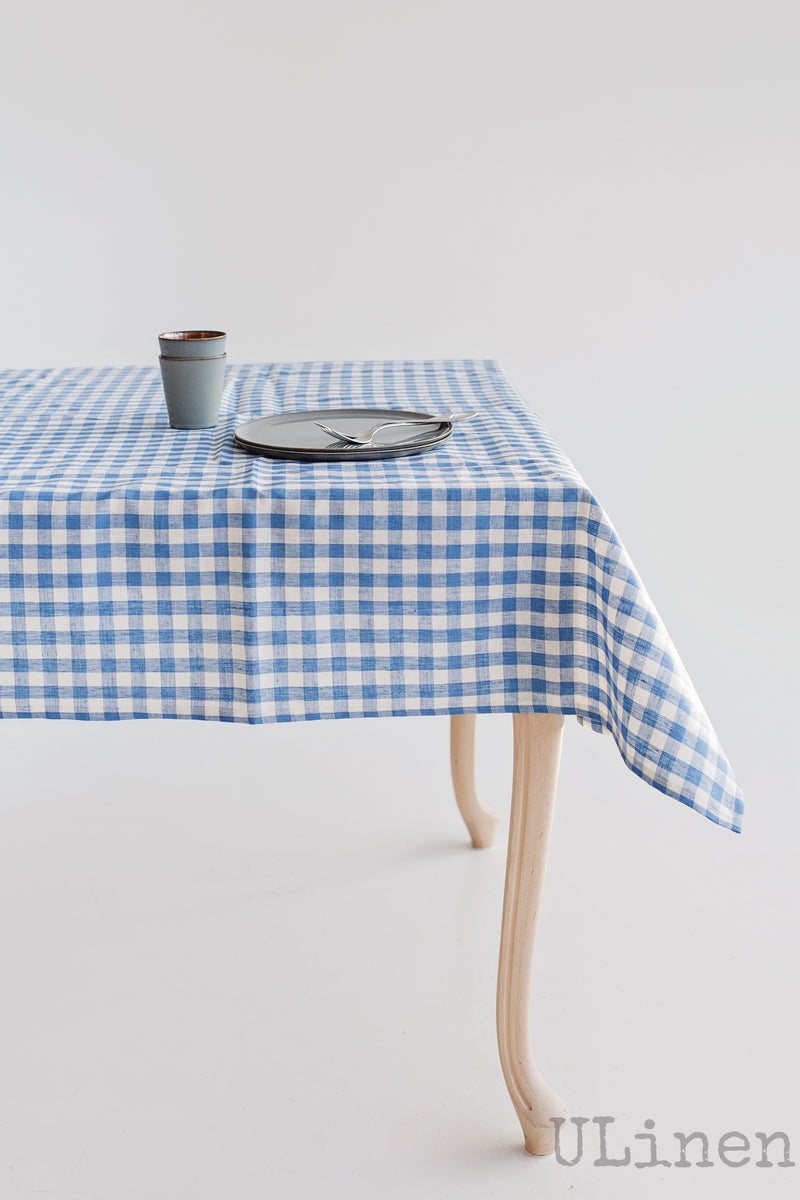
column 192, row 365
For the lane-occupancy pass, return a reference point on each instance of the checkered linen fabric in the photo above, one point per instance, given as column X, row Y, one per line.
column 151, row 572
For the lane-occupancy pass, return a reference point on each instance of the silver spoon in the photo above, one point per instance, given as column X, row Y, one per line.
column 366, row 437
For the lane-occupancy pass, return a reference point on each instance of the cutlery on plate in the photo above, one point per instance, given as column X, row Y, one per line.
column 366, row 437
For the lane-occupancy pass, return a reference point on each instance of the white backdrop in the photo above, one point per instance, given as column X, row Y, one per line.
column 605, row 197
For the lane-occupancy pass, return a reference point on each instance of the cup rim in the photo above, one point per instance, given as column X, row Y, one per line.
column 192, row 335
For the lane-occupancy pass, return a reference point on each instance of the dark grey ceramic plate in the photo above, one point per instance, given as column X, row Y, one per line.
column 295, row 435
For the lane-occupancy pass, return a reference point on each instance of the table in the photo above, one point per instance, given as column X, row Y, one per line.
column 157, row 573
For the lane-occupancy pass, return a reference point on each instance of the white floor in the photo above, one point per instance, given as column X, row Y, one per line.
column 261, row 962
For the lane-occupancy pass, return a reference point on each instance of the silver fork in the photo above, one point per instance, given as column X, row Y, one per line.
column 369, row 434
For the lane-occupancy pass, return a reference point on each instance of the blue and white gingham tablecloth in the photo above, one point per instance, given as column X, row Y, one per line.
column 149, row 572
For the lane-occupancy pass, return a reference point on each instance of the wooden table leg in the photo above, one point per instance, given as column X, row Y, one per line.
column 537, row 751
column 481, row 821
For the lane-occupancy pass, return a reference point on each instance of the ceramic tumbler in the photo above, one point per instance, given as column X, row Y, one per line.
column 193, row 374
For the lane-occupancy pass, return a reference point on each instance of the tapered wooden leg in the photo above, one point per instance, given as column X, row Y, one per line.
column 537, row 751
column 481, row 821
